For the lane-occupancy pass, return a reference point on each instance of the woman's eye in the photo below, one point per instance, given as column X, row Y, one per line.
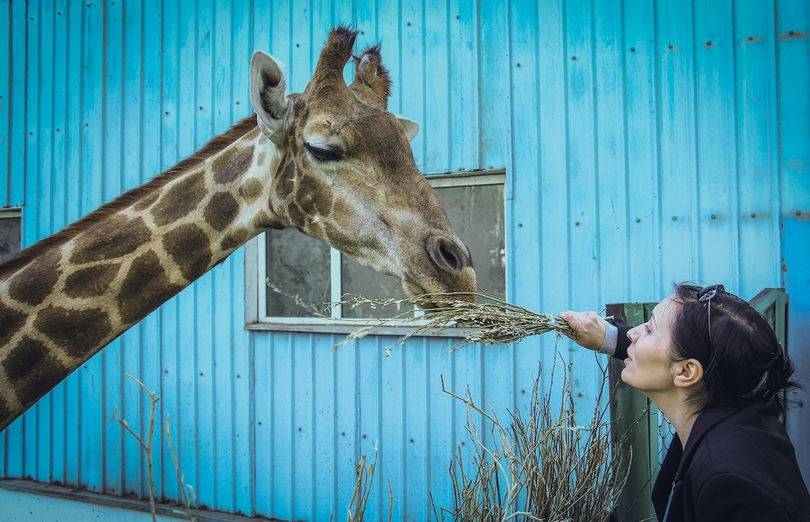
column 647, row 328
column 324, row 154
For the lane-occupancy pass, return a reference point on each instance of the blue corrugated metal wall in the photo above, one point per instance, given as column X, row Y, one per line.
column 645, row 143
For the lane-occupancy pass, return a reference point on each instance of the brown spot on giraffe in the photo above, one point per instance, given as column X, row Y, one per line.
column 250, row 190
column 32, row 370
column 263, row 220
column 348, row 244
column 110, row 239
column 285, row 184
column 6, row 414
column 295, row 214
column 147, row 201
column 232, row 164
column 342, row 208
column 221, row 210
column 91, row 281
column 10, row 322
column 33, row 284
column 77, row 331
column 188, row 247
column 313, row 196
column 181, row 199
column 234, row 238
column 260, row 158
column 144, row 288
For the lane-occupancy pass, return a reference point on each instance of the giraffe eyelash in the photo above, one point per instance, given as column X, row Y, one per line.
column 323, row 154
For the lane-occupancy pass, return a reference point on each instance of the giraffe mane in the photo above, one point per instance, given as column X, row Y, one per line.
column 215, row 145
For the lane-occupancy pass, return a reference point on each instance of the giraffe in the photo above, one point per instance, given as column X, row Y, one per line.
column 331, row 162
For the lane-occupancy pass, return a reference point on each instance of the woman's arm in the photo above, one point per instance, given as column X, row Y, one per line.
column 593, row 332
column 729, row 496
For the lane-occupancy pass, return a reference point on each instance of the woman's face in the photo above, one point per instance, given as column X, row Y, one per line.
column 648, row 366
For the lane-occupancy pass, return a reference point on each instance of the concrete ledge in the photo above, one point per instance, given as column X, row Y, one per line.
column 25, row 500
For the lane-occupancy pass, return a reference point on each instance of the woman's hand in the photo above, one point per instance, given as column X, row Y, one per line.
column 589, row 328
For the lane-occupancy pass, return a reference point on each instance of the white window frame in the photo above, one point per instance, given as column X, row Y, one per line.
column 256, row 292
column 13, row 212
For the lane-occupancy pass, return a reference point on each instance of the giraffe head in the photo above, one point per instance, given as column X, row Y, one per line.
column 344, row 172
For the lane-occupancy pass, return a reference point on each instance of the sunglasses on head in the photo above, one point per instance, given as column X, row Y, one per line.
column 706, row 294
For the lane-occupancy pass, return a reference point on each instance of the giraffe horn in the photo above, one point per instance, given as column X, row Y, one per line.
column 371, row 73
column 333, row 58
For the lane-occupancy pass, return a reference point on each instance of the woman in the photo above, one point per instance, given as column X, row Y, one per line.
column 713, row 366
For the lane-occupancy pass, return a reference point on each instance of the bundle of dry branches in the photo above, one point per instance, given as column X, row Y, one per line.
column 545, row 467
column 488, row 320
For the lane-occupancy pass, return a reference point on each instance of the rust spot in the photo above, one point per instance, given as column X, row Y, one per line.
column 33, row 284
column 79, row 332
column 793, row 35
column 91, row 281
column 188, row 247
column 111, row 239
column 145, row 287
column 181, row 199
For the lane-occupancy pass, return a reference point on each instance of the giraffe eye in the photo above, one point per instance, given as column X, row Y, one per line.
column 324, row 154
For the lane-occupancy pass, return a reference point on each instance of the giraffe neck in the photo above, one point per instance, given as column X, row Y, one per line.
column 75, row 296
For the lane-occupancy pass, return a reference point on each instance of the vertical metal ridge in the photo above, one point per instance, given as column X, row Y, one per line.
column 696, row 225
column 735, row 176
column 657, row 93
column 625, row 144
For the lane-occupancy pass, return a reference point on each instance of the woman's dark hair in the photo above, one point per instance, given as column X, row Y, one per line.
column 741, row 356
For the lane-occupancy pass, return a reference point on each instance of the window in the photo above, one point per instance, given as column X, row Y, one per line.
column 296, row 274
column 9, row 233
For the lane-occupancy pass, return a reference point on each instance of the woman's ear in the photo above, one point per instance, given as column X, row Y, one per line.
column 687, row 373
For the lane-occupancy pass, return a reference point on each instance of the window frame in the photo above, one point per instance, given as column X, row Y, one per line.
column 256, row 291
column 14, row 212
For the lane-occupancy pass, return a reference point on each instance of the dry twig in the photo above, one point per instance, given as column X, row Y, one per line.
column 545, row 467
column 146, row 443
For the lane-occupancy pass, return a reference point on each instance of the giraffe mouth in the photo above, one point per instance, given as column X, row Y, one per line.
column 415, row 290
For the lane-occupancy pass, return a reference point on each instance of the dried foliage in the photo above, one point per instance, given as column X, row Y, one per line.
column 545, row 467
column 146, row 443
column 364, row 478
column 488, row 320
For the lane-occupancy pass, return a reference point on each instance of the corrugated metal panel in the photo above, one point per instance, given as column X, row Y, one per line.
column 644, row 144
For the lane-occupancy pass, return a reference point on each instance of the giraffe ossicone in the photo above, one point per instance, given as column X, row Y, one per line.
column 330, row 161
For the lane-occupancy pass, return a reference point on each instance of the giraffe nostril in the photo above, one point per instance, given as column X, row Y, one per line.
column 449, row 257
column 447, row 254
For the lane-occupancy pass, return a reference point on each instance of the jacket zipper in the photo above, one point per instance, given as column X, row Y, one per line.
column 669, row 501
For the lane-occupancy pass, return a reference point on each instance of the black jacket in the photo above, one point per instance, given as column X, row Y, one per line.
column 738, row 465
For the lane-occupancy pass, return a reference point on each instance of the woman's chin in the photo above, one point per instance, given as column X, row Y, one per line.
column 626, row 373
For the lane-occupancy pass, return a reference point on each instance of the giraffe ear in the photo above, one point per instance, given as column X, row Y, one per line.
column 267, row 86
column 411, row 127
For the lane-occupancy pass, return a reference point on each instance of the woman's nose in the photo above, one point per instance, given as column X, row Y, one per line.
column 632, row 334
